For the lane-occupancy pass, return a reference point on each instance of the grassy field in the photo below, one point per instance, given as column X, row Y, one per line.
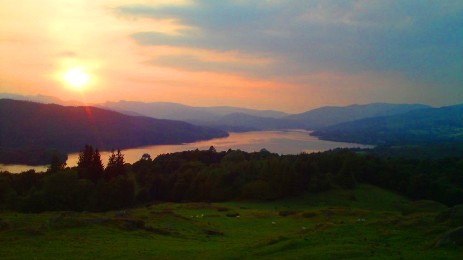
column 364, row 223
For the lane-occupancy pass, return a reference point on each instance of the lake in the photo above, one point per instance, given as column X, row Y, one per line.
column 282, row 142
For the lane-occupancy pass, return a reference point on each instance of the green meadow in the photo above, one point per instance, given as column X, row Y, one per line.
column 364, row 223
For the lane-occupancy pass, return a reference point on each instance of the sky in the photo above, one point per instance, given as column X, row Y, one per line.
column 268, row 54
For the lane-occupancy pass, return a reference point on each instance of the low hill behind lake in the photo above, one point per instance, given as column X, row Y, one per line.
column 27, row 125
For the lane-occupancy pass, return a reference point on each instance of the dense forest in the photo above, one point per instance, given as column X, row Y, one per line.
column 222, row 176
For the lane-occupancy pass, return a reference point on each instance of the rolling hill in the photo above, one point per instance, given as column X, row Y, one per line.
column 237, row 119
column 242, row 119
column 240, row 122
column 330, row 115
column 430, row 125
column 175, row 111
column 27, row 125
column 41, row 99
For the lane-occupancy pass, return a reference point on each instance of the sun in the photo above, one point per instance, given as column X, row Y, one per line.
column 77, row 78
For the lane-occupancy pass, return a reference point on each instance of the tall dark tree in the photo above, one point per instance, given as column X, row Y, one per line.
column 115, row 165
column 89, row 165
column 97, row 168
column 109, row 171
column 120, row 160
column 56, row 164
column 85, row 162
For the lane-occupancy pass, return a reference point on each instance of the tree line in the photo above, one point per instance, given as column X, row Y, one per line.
column 222, row 176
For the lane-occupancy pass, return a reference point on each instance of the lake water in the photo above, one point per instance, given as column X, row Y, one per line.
column 282, row 142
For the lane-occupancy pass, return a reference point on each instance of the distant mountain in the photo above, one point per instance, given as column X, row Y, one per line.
column 242, row 119
column 28, row 125
column 40, row 99
column 243, row 122
column 37, row 98
column 326, row 116
column 429, row 125
column 162, row 110
column 175, row 111
column 227, row 110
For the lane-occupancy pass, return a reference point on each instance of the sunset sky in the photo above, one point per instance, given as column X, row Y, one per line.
column 285, row 55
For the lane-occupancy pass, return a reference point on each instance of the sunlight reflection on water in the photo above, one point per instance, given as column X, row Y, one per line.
column 282, row 142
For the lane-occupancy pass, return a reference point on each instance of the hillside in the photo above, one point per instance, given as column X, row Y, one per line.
column 238, row 119
column 430, row 125
column 41, row 99
column 331, row 205
column 326, row 116
column 337, row 224
column 26, row 125
column 237, row 122
column 175, row 111
column 242, row 119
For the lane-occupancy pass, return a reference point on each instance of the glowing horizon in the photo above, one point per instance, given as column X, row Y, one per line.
column 283, row 55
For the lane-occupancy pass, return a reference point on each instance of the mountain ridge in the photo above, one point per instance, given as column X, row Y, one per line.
column 238, row 119
column 28, row 125
column 332, row 115
column 177, row 111
column 242, row 119
column 443, row 124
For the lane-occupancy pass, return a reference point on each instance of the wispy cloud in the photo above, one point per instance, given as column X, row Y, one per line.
column 419, row 39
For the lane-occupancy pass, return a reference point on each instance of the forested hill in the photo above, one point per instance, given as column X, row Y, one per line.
column 429, row 125
column 242, row 119
column 28, row 125
column 328, row 116
column 175, row 111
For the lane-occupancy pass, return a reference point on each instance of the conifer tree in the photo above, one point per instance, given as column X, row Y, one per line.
column 115, row 165
column 120, row 163
column 97, row 167
column 89, row 165
column 56, row 164
column 85, row 162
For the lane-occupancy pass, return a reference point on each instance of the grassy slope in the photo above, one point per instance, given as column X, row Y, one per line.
column 362, row 224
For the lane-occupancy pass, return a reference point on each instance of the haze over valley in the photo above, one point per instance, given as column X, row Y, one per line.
column 129, row 124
